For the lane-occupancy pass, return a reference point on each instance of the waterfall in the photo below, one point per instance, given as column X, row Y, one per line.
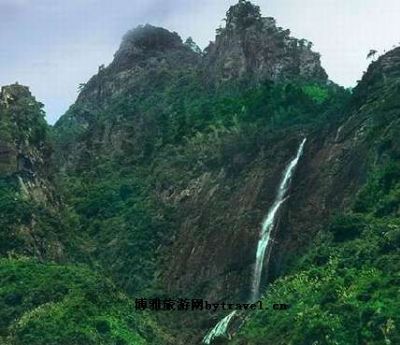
column 269, row 222
column 221, row 327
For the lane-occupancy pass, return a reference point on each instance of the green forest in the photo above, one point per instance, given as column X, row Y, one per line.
column 155, row 182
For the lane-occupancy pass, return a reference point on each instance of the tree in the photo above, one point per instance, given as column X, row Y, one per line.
column 371, row 54
column 81, row 86
column 192, row 45
column 242, row 15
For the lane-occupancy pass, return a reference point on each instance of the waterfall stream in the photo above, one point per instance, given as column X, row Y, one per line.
column 268, row 224
column 219, row 329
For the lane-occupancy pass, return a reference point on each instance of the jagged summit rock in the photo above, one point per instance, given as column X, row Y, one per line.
column 251, row 47
column 12, row 92
column 243, row 15
column 249, row 50
column 384, row 71
column 23, row 140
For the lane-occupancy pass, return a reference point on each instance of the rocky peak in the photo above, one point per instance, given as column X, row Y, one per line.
column 11, row 93
column 253, row 48
column 146, row 54
column 148, row 43
column 382, row 76
column 149, row 37
column 26, row 178
column 243, row 15
column 23, row 131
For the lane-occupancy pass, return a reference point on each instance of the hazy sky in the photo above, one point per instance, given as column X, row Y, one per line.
column 53, row 45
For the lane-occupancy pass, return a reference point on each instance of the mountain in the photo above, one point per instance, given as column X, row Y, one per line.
column 343, row 289
column 155, row 183
column 153, row 67
column 46, row 296
column 29, row 204
column 161, row 129
column 253, row 48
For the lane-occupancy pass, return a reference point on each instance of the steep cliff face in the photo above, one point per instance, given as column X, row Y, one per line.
column 252, row 48
column 24, row 138
column 43, row 299
column 153, row 68
column 171, row 159
column 148, row 61
column 344, row 204
column 178, row 155
column 27, row 193
column 338, row 165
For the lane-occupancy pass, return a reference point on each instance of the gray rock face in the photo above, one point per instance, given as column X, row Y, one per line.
column 20, row 151
column 253, row 48
column 142, row 66
column 249, row 50
column 146, row 54
column 212, row 250
column 146, row 43
column 25, row 172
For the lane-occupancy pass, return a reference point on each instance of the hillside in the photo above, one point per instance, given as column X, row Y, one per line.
column 155, row 182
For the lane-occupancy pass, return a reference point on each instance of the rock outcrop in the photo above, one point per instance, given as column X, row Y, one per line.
column 216, row 185
column 143, row 61
column 338, row 162
column 25, row 144
column 147, row 62
column 252, row 49
column 123, row 114
column 25, row 174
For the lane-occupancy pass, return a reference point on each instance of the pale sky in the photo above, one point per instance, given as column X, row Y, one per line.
column 53, row 45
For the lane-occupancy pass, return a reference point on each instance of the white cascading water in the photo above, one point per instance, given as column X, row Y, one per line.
column 221, row 327
column 269, row 222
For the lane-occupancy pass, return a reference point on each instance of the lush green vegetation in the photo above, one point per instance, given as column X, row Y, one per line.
column 52, row 304
column 120, row 223
column 184, row 129
column 345, row 290
column 23, row 119
column 18, row 212
column 42, row 302
column 181, row 111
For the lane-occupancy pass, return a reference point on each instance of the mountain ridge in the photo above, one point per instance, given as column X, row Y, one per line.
column 161, row 174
